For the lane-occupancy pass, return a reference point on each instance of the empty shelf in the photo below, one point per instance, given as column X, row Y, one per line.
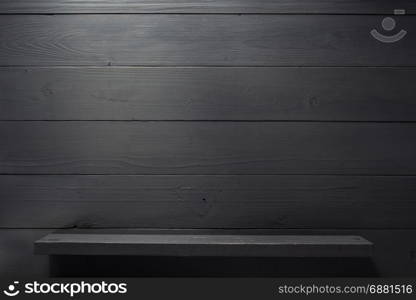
column 74, row 242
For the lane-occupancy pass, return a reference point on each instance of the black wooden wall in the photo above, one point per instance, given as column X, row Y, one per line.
column 253, row 114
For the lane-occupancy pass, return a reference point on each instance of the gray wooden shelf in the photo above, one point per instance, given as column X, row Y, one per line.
column 75, row 242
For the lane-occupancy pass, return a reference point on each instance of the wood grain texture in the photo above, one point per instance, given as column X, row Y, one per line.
column 393, row 253
column 207, row 201
column 201, row 40
column 204, row 6
column 78, row 243
column 392, row 256
column 126, row 93
column 207, row 148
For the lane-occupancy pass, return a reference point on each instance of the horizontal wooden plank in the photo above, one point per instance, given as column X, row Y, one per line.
column 208, row 201
column 393, row 252
column 126, row 93
column 201, row 40
column 107, row 147
column 392, row 255
column 78, row 243
column 203, row 6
